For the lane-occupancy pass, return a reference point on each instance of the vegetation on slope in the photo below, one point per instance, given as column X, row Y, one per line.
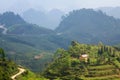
column 28, row 29
column 9, row 18
column 24, row 54
column 28, row 75
column 7, row 67
column 102, row 63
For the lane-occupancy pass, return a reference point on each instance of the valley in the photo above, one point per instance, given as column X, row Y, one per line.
column 84, row 46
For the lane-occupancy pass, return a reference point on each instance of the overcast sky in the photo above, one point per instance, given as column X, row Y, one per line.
column 65, row 5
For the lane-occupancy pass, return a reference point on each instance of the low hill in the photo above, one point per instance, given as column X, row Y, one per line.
column 89, row 26
column 11, row 71
column 28, row 29
column 23, row 49
column 85, row 62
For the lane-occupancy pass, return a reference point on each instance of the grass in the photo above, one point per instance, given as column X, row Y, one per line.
column 103, row 72
column 28, row 75
column 101, row 67
column 109, row 77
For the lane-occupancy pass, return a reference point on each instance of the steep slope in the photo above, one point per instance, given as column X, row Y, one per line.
column 85, row 62
column 14, row 24
column 7, row 67
column 9, row 19
column 89, row 26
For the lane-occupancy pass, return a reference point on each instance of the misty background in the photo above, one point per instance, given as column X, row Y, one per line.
column 48, row 13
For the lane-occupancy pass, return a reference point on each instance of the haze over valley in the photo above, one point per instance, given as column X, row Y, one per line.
column 60, row 40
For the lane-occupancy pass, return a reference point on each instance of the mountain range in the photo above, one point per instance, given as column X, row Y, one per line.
column 24, row 41
column 89, row 26
column 48, row 19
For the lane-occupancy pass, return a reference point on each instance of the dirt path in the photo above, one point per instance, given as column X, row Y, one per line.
column 21, row 70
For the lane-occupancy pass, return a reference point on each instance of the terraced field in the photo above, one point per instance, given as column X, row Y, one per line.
column 103, row 72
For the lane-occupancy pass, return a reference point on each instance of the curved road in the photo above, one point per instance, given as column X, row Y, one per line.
column 21, row 70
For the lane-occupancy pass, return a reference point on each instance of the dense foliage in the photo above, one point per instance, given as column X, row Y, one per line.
column 7, row 67
column 102, row 63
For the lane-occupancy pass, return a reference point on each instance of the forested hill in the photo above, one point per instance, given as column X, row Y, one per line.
column 14, row 24
column 89, row 26
column 85, row 62
column 9, row 18
column 23, row 41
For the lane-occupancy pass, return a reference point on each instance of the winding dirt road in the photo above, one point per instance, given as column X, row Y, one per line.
column 21, row 70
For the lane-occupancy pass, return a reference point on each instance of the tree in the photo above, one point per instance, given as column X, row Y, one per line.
column 2, row 54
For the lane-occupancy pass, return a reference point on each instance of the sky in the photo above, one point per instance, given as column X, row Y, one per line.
column 20, row 6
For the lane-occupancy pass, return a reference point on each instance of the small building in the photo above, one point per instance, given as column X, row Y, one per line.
column 84, row 57
column 38, row 56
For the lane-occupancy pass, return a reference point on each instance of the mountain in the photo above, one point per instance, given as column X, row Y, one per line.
column 89, row 26
column 14, row 24
column 28, row 29
column 49, row 19
column 111, row 11
column 23, row 42
column 9, row 19
column 85, row 62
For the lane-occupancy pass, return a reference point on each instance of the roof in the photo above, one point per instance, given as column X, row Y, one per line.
column 84, row 55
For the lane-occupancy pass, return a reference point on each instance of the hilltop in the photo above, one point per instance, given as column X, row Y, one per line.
column 89, row 26
column 9, row 18
column 85, row 62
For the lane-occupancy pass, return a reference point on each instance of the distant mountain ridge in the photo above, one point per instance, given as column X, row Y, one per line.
column 24, row 40
column 15, row 24
column 48, row 19
column 89, row 26
column 9, row 19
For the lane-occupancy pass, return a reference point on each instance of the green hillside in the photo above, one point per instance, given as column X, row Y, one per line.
column 89, row 26
column 7, row 67
column 28, row 75
column 23, row 52
column 28, row 29
column 23, row 42
column 85, row 62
